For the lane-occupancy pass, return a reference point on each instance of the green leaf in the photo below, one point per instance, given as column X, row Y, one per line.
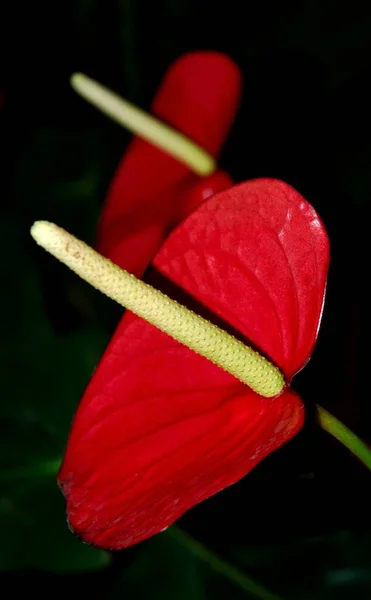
column 43, row 374
column 164, row 569
column 34, row 533
column 175, row 565
column 334, row 565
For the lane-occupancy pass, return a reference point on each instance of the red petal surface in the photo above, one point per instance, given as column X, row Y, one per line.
column 132, row 239
column 257, row 255
column 160, row 429
column 151, row 190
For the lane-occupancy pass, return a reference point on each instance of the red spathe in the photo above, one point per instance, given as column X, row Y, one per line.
column 159, row 428
column 152, row 191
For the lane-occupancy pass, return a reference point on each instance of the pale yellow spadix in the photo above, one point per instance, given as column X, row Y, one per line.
column 144, row 125
column 155, row 307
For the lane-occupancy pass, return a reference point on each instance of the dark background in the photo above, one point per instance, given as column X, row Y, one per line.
column 300, row 523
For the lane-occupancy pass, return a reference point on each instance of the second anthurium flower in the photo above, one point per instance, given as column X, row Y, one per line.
column 163, row 426
column 152, row 191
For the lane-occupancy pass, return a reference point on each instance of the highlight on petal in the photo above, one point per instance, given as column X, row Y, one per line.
column 257, row 255
column 151, row 190
column 160, row 428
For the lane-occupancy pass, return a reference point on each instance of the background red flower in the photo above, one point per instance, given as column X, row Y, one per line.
column 151, row 191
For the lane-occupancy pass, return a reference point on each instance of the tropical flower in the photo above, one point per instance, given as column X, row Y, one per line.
column 161, row 428
column 186, row 402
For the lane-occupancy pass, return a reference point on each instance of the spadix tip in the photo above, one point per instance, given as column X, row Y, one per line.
column 78, row 80
column 47, row 235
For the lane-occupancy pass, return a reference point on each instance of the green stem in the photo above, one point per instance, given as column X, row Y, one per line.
column 220, row 565
column 344, row 435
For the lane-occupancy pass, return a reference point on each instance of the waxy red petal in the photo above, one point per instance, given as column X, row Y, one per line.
column 160, row 429
column 150, row 192
column 132, row 239
column 257, row 255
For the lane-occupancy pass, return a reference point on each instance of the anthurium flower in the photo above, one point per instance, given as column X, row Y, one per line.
column 152, row 190
column 178, row 409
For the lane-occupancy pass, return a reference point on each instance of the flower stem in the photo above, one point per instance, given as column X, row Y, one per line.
column 220, row 565
column 344, row 435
